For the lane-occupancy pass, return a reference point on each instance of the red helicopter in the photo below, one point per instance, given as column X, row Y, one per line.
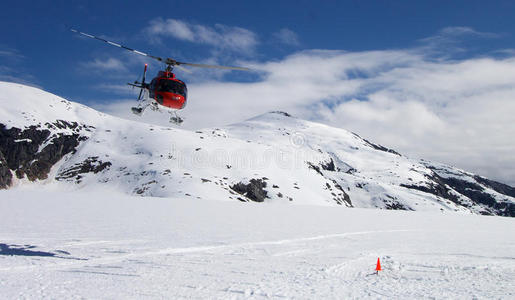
column 165, row 90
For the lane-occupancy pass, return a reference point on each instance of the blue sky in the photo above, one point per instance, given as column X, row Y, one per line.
column 37, row 30
column 432, row 79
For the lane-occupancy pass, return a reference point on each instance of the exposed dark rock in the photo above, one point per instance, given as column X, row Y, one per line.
column 381, row 148
column 145, row 187
column 328, row 166
column 281, row 113
column 439, row 186
column 254, row 190
column 476, row 193
column 21, row 148
column 496, row 186
column 391, row 203
column 5, row 173
column 436, row 186
column 316, row 168
column 396, row 206
column 342, row 197
column 90, row 165
column 361, row 185
column 377, row 147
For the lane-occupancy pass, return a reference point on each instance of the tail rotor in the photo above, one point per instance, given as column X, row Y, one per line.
column 142, row 83
column 142, row 86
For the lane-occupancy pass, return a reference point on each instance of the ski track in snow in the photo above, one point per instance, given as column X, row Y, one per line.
column 112, row 246
column 168, row 251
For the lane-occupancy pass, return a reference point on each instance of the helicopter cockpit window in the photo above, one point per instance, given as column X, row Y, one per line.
column 171, row 86
column 153, row 84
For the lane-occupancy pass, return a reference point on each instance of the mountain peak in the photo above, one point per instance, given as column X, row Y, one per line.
column 273, row 157
column 281, row 113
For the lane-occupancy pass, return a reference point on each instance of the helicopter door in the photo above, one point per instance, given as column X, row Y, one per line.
column 152, row 88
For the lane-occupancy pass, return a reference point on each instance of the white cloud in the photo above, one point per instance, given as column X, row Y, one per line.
column 286, row 36
column 26, row 80
column 448, row 39
column 109, row 64
column 10, row 53
column 171, row 27
column 457, row 112
column 119, row 89
column 219, row 36
column 10, row 69
column 462, row 30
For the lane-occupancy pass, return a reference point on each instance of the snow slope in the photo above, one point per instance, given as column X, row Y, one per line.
column 100, row 207
column 274, row 158
column 105, row 245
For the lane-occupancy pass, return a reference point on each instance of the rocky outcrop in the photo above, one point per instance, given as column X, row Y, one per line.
column 89, row 165
column 496, row 186
column 5, row 173
column 31, row 152
column 477, row 193
column 472, row 189
column 254, row 190
column 328, row 166
column 339, row 196
column 337, row 193
column 376, row 146
column 283, row 113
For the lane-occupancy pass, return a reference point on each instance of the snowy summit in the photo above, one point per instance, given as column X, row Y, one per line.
column 95, row 206
column 49, row 141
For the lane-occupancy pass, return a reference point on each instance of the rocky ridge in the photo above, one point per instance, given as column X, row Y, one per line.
column 271, row 158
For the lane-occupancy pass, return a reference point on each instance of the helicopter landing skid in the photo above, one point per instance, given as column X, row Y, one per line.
column 137, row 110
column 142, row 105
column 154, row 106
column 175, row 119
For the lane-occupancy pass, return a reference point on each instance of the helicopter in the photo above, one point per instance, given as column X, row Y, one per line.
column 165, row 90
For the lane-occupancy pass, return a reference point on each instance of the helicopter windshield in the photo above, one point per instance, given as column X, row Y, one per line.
column 171, row 86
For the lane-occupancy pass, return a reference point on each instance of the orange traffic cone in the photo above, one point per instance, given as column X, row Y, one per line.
column 378, row 266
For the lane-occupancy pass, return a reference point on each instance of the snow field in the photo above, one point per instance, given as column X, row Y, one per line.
column 102, row 244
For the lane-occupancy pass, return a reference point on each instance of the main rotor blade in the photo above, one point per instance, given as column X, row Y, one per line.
column 212, row 66
column 117, row 45
column 184, row 69
column 168, row 61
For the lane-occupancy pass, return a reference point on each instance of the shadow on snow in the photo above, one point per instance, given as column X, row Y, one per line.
column 26, row 250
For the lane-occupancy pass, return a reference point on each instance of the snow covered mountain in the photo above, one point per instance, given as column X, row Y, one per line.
column 47, row 140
